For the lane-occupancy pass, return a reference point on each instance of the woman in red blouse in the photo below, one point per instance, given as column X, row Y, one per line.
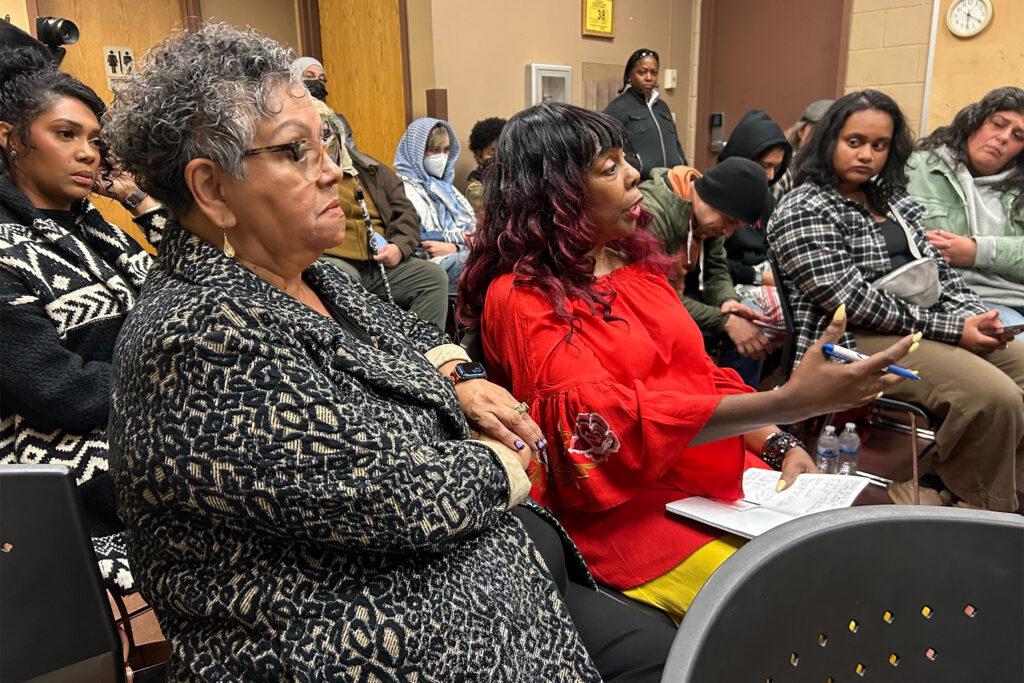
column 577, row 317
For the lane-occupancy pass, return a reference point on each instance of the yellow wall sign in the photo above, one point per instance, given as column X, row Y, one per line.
column 597, row 18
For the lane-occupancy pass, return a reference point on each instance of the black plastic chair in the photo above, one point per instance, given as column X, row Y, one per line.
column 874, row 593
column 55, row 620
column 918, row 416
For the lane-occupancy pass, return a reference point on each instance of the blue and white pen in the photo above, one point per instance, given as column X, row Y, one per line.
column 848, row 356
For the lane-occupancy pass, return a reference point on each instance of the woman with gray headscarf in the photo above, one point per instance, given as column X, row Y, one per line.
column 302, row 496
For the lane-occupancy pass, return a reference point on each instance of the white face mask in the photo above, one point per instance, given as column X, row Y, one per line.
column 435, row 164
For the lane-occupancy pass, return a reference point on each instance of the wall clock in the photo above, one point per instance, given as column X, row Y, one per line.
column 968, row 18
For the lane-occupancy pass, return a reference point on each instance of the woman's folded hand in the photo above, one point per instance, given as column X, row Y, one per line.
column 492, row 412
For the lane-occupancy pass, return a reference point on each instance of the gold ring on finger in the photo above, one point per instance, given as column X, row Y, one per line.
column 521, row 407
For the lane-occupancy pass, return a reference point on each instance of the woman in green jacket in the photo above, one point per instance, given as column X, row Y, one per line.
column 969, row 176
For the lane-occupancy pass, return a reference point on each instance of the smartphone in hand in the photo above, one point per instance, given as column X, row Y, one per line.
column 1009, row 330
column 378, row 242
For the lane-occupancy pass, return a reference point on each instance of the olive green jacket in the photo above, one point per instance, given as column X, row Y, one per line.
column 671, row 224
column 934, row 185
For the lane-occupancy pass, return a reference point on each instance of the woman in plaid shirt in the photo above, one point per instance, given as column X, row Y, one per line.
column 837, row 233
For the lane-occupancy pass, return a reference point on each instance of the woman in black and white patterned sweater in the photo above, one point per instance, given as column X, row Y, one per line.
column 294, row 461
column 67, row 279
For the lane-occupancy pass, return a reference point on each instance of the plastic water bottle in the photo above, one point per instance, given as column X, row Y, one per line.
column 849, row 449
column 828, row 451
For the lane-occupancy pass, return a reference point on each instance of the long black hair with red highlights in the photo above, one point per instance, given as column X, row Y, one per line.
column 534, row 220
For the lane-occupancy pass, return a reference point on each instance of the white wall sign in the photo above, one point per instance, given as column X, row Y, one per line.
column 118, row 64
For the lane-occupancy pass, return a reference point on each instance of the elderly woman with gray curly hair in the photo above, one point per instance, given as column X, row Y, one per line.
column 291, row 454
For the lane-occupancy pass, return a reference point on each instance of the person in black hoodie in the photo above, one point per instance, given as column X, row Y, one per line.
column 758, row 138
column 653, row 141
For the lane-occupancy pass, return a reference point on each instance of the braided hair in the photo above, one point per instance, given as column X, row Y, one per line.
column 29, row 85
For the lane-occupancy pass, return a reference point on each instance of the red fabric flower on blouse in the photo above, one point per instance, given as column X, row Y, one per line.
column 593, row 437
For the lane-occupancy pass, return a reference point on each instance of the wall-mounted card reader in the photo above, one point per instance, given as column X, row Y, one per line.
column 716, row 123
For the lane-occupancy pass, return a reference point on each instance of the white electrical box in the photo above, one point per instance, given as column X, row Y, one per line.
column 548, row 83
column 669, row 79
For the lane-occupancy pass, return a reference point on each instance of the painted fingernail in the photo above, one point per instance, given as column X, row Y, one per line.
column 519, row 445
column 840, row 314
column 542, row 444
column 781, row 485
column 913, row 347
column 918, row 336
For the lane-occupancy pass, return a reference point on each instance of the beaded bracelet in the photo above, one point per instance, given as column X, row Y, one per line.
column 776, row 446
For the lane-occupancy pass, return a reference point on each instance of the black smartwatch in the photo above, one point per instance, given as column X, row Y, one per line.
column 466, row 371
column 134, row 199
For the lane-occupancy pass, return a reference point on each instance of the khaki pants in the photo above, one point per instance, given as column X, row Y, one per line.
column 418, row 286
column 981, row 400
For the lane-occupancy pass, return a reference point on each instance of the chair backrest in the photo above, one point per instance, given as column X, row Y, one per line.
column 896, row 593
column 55, row 620
column 789, row 343
column 473, row 342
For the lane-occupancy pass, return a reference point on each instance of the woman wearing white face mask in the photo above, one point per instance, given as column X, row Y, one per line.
column 425, row 160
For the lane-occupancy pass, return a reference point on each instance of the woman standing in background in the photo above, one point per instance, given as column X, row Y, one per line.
column 653, row 141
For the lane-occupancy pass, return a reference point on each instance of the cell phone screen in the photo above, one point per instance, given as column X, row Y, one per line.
column 1010, row 329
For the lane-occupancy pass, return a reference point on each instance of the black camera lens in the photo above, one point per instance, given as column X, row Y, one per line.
column 54, row 32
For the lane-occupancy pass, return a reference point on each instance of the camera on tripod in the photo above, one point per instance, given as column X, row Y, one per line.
column 53, row 32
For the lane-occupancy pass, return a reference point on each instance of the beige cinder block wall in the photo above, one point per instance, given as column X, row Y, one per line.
column 889, row 51
column 480, row 51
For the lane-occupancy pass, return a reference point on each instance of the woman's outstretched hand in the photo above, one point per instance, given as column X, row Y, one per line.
column 820, row 385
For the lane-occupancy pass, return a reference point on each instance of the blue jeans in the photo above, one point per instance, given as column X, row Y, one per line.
column 453, row 265
column 1008, row 316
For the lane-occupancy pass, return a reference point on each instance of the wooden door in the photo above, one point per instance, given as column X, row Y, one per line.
column 362, row 43
column 776, row 56
column 135, row 24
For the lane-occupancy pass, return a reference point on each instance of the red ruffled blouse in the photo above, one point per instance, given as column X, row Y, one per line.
column 619, row 404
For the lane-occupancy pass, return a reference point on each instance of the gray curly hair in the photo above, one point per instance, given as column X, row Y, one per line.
column 197, row 95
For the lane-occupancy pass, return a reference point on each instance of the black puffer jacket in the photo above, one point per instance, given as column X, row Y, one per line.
column 753, row 136
column 651, row 130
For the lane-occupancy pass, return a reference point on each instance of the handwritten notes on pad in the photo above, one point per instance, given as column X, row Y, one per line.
column 762, row 508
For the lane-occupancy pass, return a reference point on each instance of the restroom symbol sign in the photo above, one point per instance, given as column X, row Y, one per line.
column 118, row 63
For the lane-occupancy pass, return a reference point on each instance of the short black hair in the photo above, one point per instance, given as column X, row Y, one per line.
column 484, row 133
column 814, row 161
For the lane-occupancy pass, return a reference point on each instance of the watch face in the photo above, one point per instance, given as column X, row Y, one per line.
column 471, row 370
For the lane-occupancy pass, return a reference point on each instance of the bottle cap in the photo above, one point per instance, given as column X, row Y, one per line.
column 851, row 425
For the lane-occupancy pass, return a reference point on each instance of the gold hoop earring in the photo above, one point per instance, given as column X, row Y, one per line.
column 229, row 250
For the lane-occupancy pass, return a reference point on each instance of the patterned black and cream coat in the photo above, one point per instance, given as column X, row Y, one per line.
column 64, row 295
column 302, row 498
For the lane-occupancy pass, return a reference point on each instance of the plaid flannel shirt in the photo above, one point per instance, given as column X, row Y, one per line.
column 830, row 250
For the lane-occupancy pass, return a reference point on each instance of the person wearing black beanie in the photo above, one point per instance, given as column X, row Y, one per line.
column 758, row 138
column 693, row 215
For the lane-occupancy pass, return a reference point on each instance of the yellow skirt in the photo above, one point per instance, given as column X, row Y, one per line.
column 673, row 591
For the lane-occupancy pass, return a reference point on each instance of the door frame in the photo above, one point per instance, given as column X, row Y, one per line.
column 701, row 153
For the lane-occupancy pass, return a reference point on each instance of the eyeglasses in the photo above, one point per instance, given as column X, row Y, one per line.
column 307, row 154
column 647, row 53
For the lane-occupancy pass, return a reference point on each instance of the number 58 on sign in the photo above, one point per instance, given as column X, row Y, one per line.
column 597, row 18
